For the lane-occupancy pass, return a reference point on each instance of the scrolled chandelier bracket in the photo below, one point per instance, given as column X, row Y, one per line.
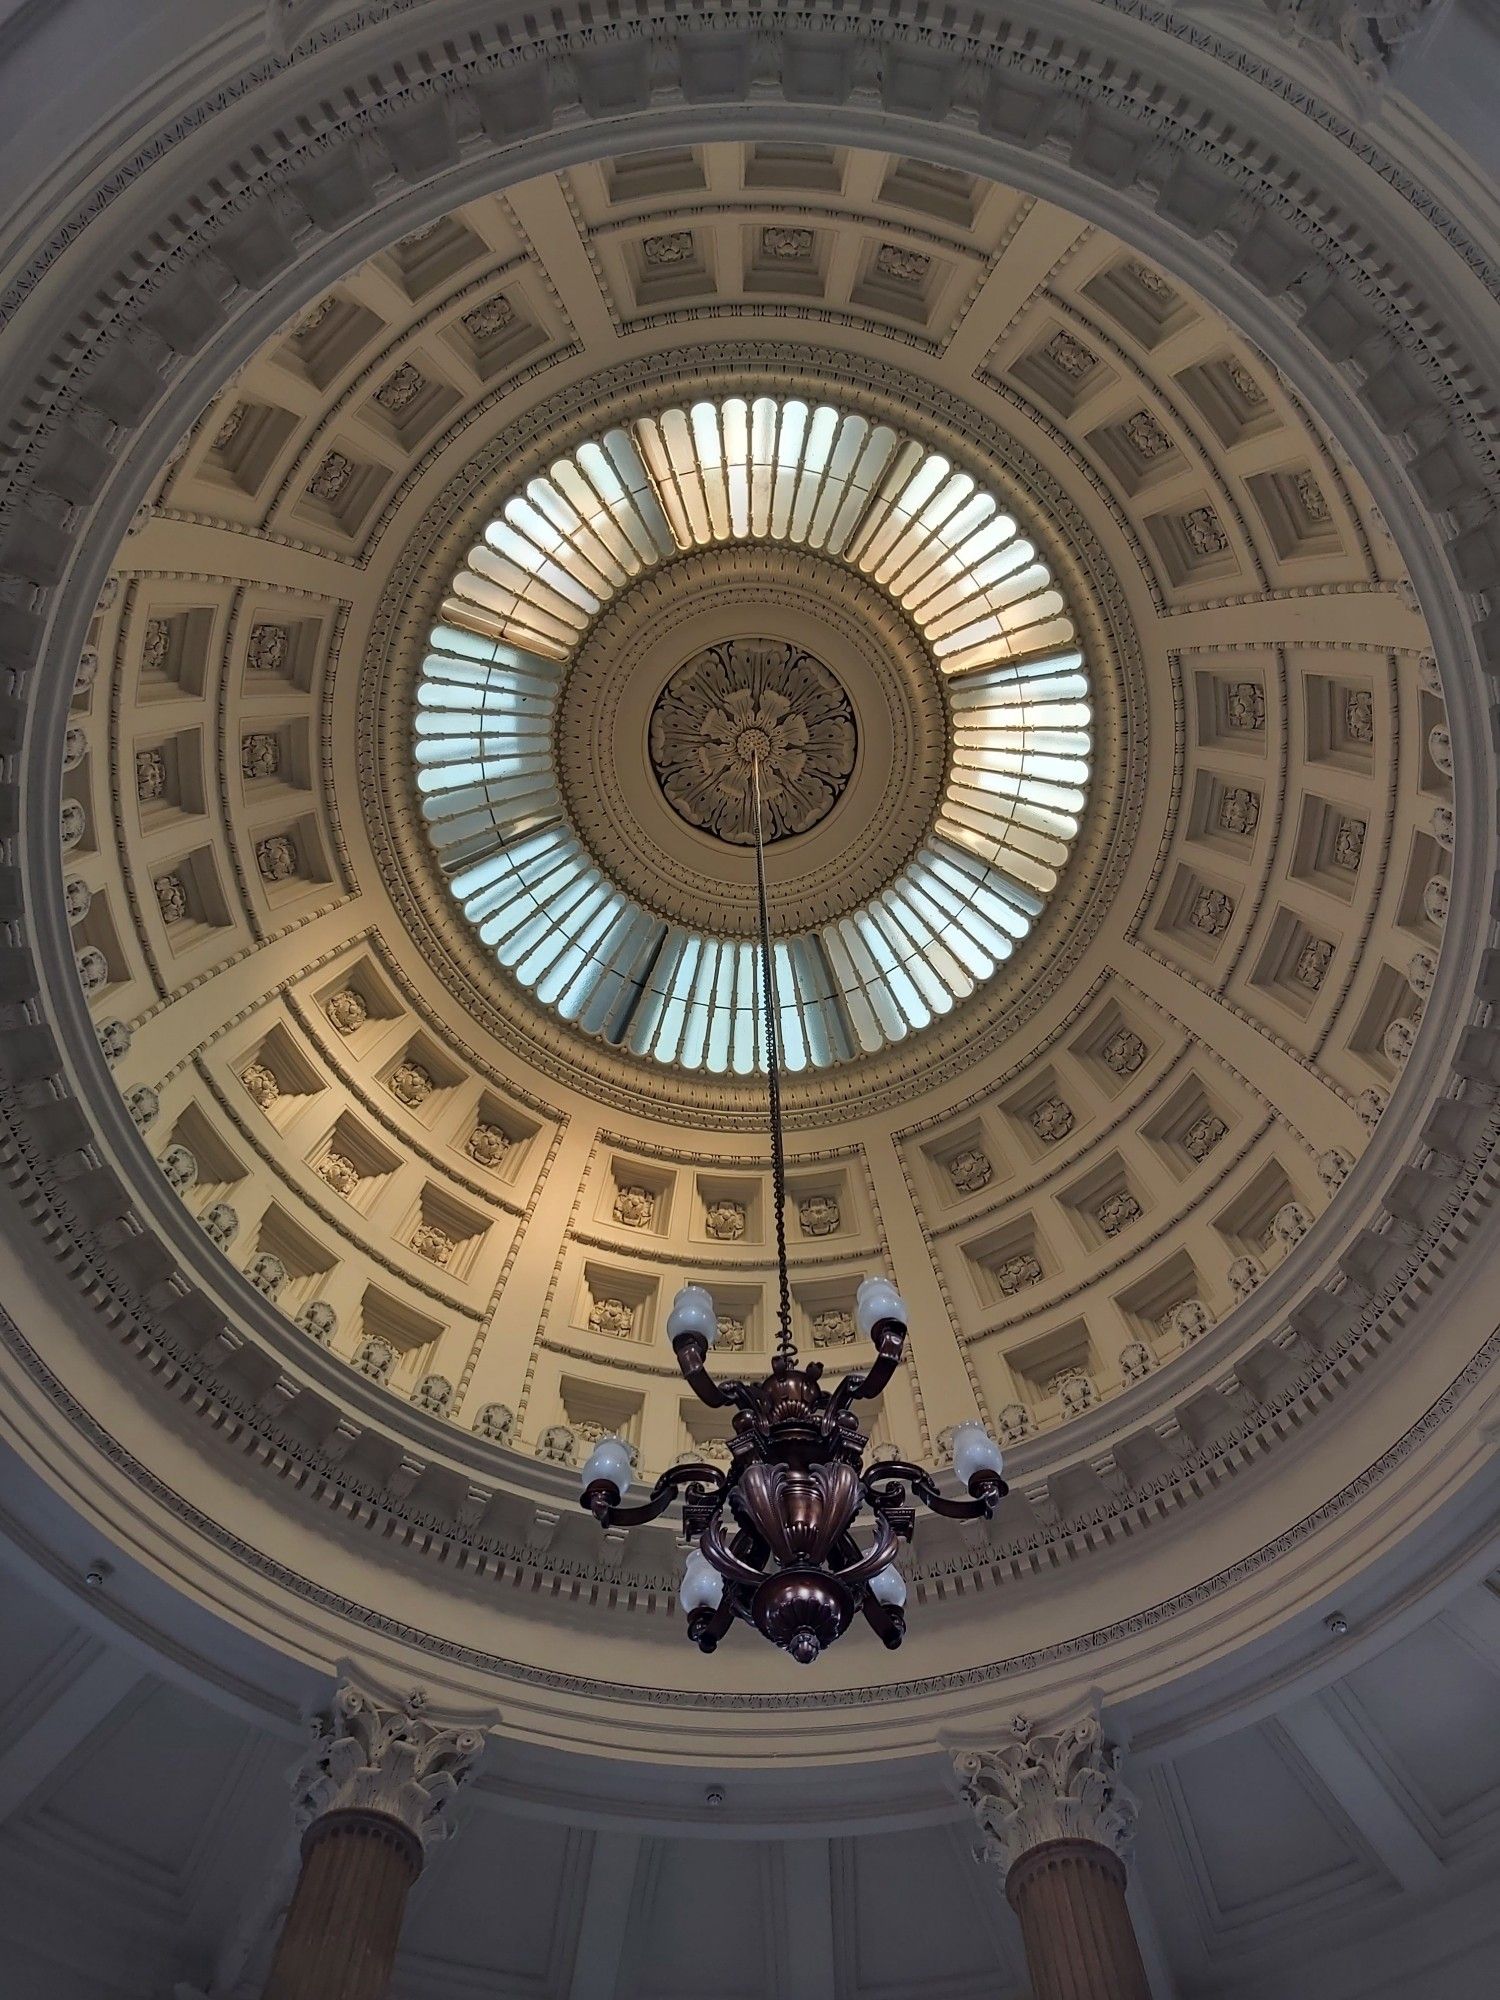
column 787, row 1561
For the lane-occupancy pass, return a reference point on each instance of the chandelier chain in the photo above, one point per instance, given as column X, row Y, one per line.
column 797, row 1482
column 785, row 1345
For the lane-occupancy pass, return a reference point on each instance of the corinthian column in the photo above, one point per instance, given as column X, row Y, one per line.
column 372, row 1797
column 1058, row 1823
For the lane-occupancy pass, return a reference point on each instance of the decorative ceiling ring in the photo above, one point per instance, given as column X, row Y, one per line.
column 1446, row 605
column 702, row 601
column 618, row 396
column 728, row 473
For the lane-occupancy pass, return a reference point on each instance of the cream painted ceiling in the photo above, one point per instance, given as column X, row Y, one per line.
column 1075, row 1175
column 450, row 1223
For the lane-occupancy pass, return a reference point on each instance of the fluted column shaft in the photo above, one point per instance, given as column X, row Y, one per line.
column 344, row 1924
column 1080, row 1943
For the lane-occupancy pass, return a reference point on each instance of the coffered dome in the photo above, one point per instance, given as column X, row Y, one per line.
column 384, row 1031
column 1107, row 771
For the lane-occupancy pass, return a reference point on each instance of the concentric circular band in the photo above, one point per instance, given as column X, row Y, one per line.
column 898, row 514
column 612, row 695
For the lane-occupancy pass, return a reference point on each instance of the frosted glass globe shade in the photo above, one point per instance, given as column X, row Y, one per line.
column 889, row 1586
column 693, row 1312
column 974, row 1450
column 877, row 1299
column 610, row 1459
column 702, row 1587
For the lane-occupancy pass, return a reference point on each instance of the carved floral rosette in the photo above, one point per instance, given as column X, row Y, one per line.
column 760, row 695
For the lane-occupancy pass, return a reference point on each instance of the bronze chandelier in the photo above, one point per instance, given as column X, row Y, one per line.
column 788, row 1562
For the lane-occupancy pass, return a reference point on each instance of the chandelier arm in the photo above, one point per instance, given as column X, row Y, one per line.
column 748, row 1546
column 986, row 1490
column 876, row 1558
column 609, row 1513
column 706, row 1628
column 901, row 1470
column 723, row 1558
column 692, row 1355
column 842, row 1397
column 844, row 1555
column 738, row 1604
column 889, row 1336
column 885, row 1621
column 864, row 1384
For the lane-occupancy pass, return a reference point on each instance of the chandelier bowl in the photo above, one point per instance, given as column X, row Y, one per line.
column 802, row 1611
column 799, row 1514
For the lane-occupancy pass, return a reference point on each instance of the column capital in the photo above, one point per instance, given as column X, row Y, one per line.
column 373, row 1756
column 1060, row 1785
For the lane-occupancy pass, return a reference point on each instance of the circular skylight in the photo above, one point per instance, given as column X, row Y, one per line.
column 615, row 511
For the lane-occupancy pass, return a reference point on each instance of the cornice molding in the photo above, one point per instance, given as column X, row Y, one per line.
column 495, row 1564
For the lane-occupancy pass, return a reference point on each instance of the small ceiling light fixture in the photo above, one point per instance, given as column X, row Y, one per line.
column 787, row 1562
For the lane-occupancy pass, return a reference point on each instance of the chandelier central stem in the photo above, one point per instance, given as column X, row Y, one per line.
column 785, row 1345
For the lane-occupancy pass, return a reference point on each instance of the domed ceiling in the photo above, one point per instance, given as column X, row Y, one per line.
column 444, row 445
column 406, row 831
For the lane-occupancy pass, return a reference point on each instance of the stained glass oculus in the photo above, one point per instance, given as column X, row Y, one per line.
column 762, row 470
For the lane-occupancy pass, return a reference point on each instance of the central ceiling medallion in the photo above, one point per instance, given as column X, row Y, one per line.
column 745, row 699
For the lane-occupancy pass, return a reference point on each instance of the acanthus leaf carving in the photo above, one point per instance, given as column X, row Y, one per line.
column 371, row 1756
column 1063, row 1785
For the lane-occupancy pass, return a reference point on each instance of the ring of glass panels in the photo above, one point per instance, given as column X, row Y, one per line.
column 729, row 470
